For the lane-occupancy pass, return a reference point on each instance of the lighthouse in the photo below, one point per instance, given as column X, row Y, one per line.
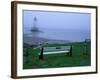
column 34, row 27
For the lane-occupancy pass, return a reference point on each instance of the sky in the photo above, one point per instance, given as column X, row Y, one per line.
column 71, row 22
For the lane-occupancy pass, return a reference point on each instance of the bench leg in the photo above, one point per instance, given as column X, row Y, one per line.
column 41, row 57
column 70, row 53
column 41, row 54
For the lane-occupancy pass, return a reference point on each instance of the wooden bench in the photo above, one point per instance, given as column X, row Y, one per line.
column 55, row 50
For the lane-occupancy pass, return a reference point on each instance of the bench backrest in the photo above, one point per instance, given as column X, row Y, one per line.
column 60, row 48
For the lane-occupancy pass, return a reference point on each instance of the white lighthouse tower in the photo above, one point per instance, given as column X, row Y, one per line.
column 35, row 28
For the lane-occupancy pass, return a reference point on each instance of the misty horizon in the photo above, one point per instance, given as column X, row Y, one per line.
column 59, row 26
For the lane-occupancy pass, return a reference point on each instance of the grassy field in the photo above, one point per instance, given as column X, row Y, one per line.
column 80, row 57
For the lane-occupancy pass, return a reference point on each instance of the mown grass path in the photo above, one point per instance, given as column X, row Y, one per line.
column 80, row 57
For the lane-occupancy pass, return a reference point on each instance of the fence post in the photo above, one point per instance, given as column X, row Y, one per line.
column 26, row 55
column 85, row 47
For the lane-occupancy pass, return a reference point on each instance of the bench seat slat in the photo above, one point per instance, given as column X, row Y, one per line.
column 56, row 52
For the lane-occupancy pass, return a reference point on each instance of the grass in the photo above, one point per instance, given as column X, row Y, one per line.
column 80, row 57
